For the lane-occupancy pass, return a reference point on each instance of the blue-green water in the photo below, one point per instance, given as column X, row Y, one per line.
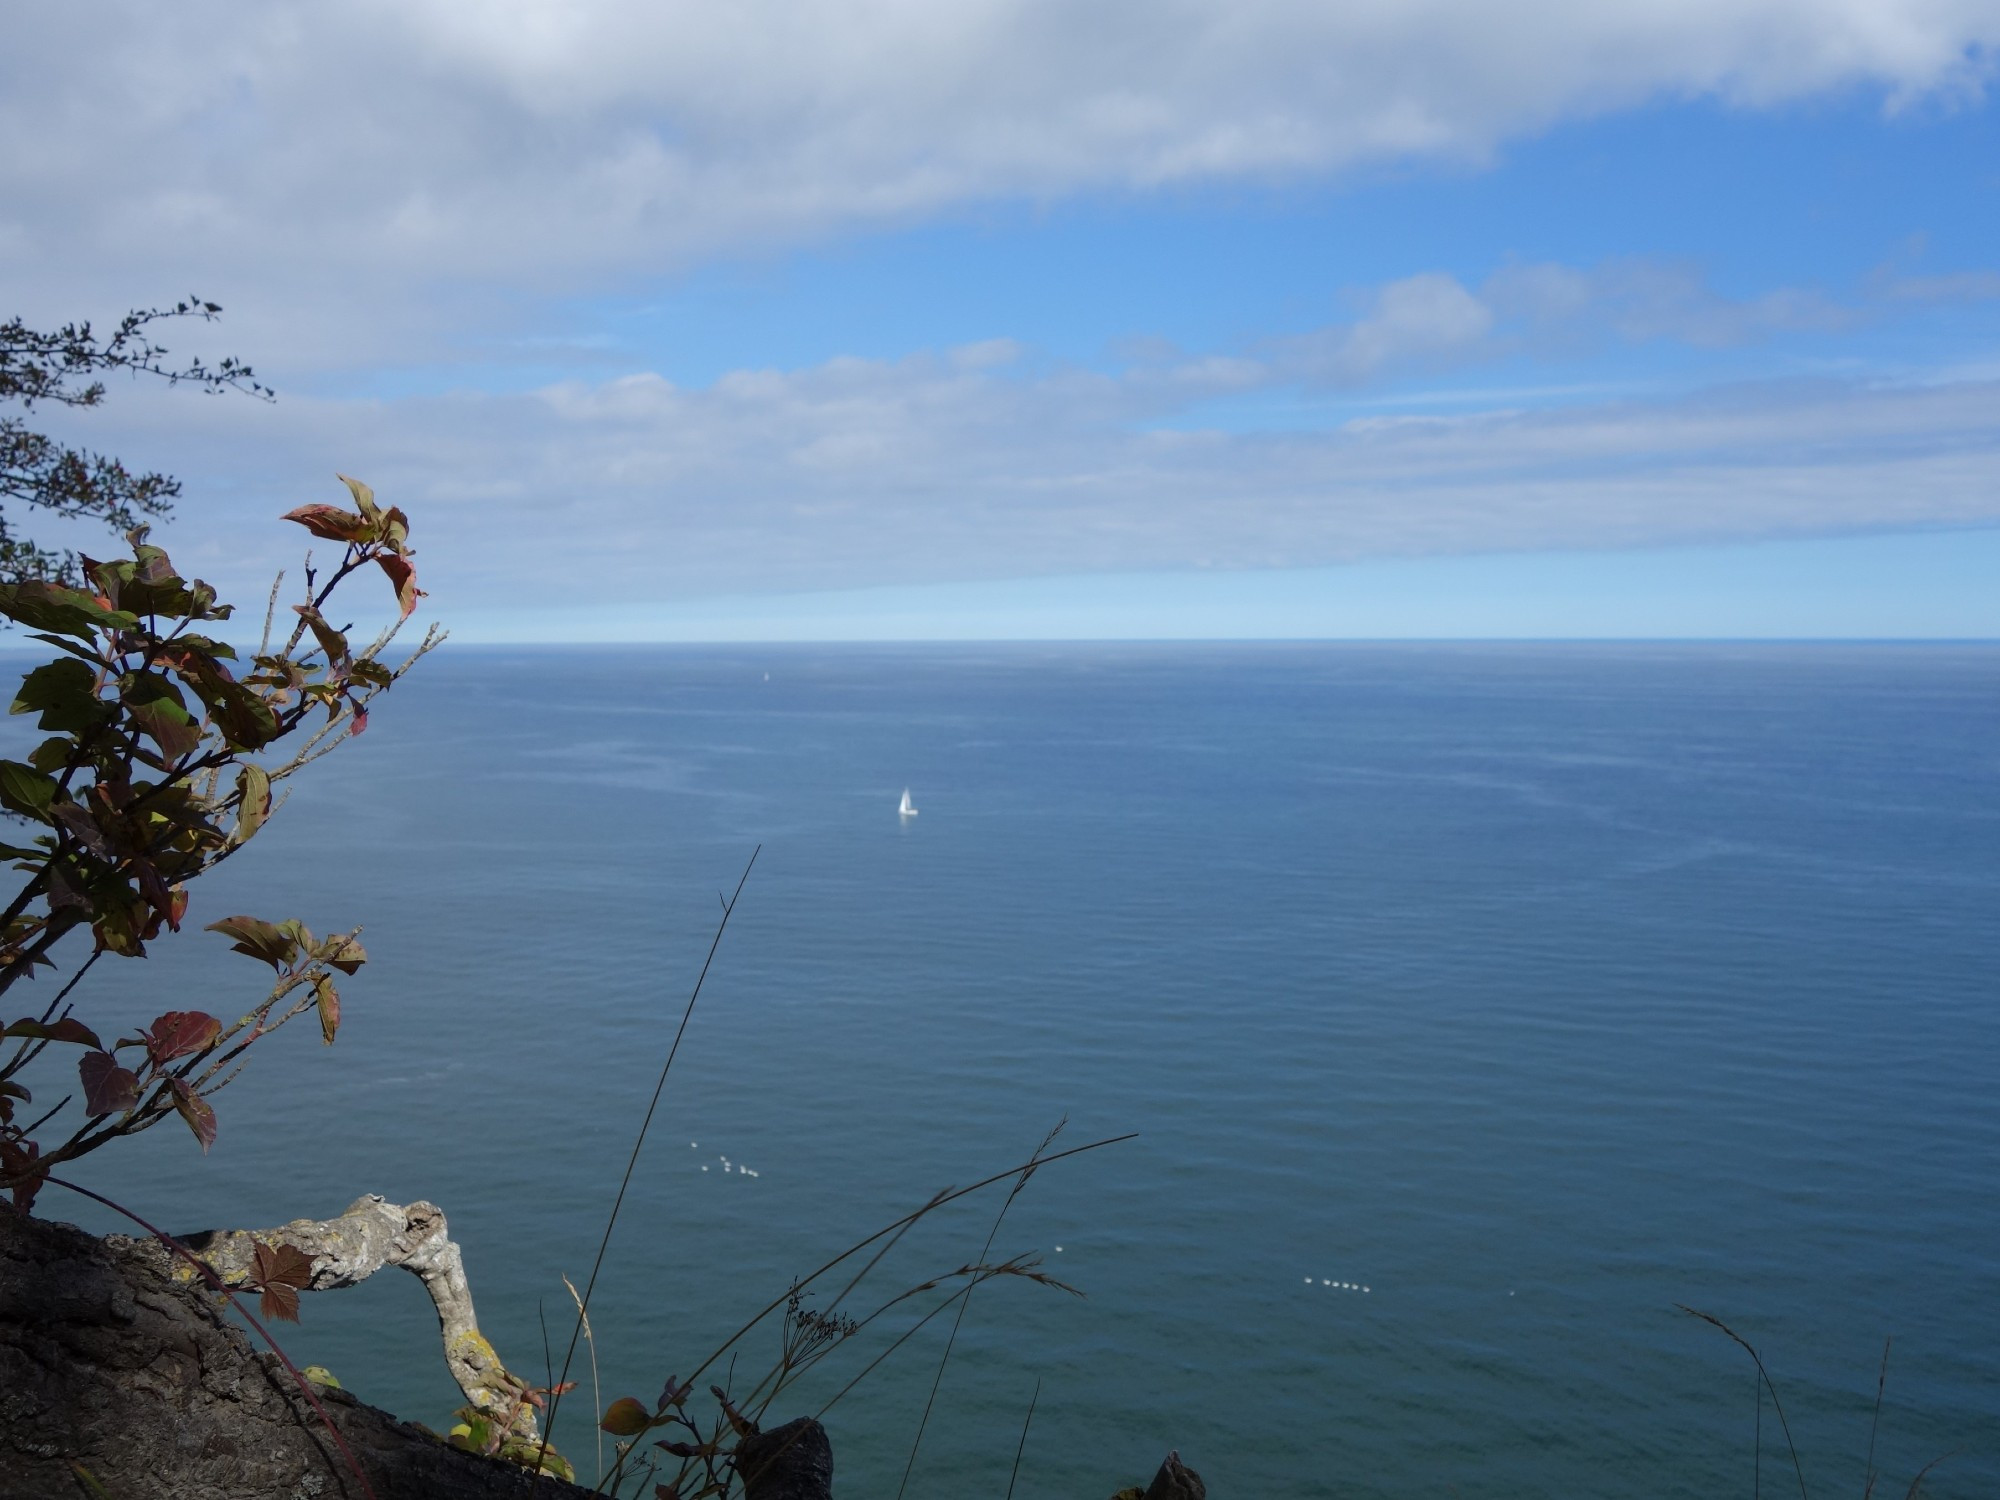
column 1533, row 989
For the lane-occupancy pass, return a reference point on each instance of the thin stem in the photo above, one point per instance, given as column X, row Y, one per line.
column 1765, row 1375
column 1874, row 1422
column 631, row 1162
column 896, row 1228
column 31, row 1048
column 984, row 1250
column 1022, row 1446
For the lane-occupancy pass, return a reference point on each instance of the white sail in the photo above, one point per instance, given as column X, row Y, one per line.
column 906, row 809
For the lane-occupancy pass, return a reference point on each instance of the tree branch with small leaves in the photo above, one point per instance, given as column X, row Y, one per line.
column 64, row 367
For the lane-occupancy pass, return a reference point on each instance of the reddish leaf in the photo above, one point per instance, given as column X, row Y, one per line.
column 403, row 575
column 77, row 822
column 280, row 1303
column 327, row 998
column 68, row 1029
column 172, row 730
column 18, row 1161
column 342, row 951
column 283, row 1265
column 331, row 522
column 360, row 724
column 155, row 890
column 108, row 1089
column 178, row 1033
column 625, row 1417
column 194, row 1109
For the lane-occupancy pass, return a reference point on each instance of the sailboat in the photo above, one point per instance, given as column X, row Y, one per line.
column 907, row 810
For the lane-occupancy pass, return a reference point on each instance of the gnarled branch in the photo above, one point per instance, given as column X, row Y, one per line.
column 374, row 1233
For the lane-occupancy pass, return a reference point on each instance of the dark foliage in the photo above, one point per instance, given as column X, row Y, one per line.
column 65, row 368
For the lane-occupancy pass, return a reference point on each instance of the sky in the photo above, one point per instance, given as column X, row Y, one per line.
column 899, row 319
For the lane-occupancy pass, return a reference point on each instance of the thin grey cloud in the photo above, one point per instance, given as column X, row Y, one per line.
column 962, row 465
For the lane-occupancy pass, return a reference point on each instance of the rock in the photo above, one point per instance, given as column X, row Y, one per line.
column 792, row 1462
column 1176, row 1481
column 112, row 1365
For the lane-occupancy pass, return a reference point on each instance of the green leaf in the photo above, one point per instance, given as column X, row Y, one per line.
column 245, row 719
column 364, row 498
column 253, row 790
column 70, row 646
column 221, row 650
column 331, row 641
column 119, row 921
column 52, row 754
column 27, row 791
column 50, row 607
column 626, row 1417
column 327, row 998
column 150, row 687
column 171, row 727
column 68, row 1029
column 259, row 939
column 151, row 565
column 65, row 694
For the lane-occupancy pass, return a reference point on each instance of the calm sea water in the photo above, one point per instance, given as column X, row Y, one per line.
column 1533, row 990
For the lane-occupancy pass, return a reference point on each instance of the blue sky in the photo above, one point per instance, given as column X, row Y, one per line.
column 1016, row 319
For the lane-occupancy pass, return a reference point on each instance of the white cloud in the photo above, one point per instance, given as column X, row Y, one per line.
column 859, row 472
column 1641, row 299
column 338, row 157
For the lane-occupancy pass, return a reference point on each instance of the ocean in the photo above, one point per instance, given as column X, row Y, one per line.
column 1475, row 1007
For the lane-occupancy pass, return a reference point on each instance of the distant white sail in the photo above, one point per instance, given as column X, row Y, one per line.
column 906, row 809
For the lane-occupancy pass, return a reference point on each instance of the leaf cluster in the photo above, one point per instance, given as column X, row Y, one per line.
column 162, row 753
